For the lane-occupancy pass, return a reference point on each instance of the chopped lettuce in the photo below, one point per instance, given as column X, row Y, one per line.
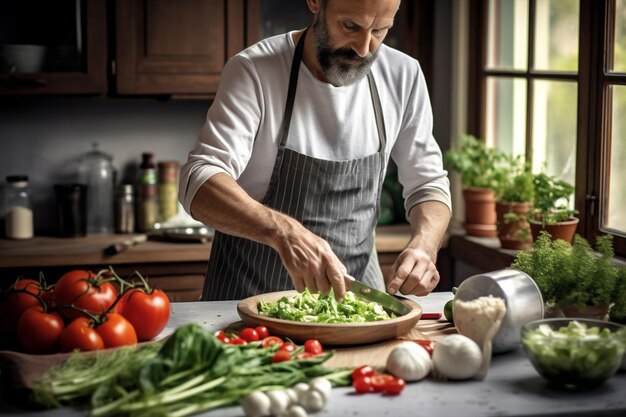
column 575, row 353
column 323, row 308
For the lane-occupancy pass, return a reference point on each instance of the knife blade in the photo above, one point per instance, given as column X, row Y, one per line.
column 389, row 302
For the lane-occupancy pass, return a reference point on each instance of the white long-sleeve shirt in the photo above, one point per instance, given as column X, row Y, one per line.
column 241, row 134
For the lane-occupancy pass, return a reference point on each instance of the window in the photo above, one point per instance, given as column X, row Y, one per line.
column 548, row 81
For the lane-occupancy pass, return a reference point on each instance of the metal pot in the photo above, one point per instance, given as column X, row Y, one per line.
column 521, row 296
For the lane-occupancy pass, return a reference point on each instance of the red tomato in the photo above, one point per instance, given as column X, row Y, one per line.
column 281, row 356
column 81, row 335
column 147, row 312
column 287, row 347
column 237, row 341
column 394, row 387
column 222, row 336
column 426, row 344
column 362, row 371
column 305, row 355
column 39, row 332
column 116, row 331
column 271, row 340
column 84, row 290
column 381, row 380
column 362, row 384
column 18, row 302
column 249, row 335
column 313, row 346
column 262, row 332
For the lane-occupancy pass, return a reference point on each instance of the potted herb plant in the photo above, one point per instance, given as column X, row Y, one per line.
column 513, row 205
column 551, row 212
column 481, row 169
column 575, row 280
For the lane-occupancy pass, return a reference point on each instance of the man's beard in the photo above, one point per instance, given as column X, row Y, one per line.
column 340, row 66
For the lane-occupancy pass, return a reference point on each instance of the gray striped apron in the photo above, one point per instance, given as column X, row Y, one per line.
column 336, row 200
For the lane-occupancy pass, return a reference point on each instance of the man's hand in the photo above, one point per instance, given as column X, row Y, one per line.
column 414, row 272
column 310, row 261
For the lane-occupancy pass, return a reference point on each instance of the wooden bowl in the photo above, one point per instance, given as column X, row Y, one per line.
column 328, row 333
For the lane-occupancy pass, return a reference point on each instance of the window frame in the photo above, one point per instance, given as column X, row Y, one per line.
column 593, row 107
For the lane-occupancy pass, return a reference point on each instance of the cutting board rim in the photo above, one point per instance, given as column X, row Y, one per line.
column 348, row 333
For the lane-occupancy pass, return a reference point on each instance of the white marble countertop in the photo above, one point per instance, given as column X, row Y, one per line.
column 511, row 388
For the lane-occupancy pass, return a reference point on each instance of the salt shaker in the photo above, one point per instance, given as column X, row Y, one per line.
column 19, row 211
column 125, row 209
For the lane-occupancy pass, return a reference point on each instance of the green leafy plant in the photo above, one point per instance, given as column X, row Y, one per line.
column 519, row 185
column 551, row 200
column 618, row 311
column 478, row 164
column 574, row 274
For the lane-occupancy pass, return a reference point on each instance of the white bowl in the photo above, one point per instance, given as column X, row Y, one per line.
column 22, row 58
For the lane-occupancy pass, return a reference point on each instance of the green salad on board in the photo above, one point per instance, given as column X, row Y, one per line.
column 323, row 308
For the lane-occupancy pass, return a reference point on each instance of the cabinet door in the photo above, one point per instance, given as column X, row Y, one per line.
column 175, row 46
column 53, row 47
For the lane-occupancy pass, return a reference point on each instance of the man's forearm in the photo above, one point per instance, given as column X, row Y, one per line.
column 222, row 204
column 429, row 222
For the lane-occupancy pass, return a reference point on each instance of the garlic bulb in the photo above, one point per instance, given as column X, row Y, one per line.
column 457, row 357
column 409, row 362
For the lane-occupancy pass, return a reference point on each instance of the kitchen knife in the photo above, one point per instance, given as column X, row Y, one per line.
column 389, row 302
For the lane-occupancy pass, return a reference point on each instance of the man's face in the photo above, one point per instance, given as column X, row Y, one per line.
column 347, row 37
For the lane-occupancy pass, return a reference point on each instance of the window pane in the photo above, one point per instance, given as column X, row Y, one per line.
column 507, row 37
column 506, row 114
column 554, row 128
column 614, row 217
column 619, row 51
column 556, row 35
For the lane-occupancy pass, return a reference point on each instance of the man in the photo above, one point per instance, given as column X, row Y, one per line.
column 288, row 167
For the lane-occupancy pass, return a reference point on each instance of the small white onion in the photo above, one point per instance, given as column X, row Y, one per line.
column 313, row 401
column 295, row 411
column 256, row 404
column 279, row 401
column 322, row 385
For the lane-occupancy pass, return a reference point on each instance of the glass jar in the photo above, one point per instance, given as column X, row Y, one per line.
column 19, row 209
column 96, row 171
column 168, row 189
column 125, row 209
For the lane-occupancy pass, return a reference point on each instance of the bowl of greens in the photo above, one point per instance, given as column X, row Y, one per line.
column 574, row 353
column 301, row 316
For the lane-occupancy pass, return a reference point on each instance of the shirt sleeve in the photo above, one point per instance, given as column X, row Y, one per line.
column 417, row 154
column 226, row 139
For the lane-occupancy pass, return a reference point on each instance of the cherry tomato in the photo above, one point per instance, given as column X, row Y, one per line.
column 85, row 291
column 249, row 335
column 305, row 355
column 237, row 341
column 81, row 335
column 38, row 331
column 271, row 340
column 222, row 336
column 362, row 371
column 287, row 347
column 394, row 386
column 116, row 331
column 381, row 380
column 281, row 356
column 362, row 384
column 426, row 344
column 313, row 346
column 147, row 312
column 18, row 302
column 262, row 332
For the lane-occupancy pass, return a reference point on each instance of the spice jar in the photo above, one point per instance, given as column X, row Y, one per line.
column 147, row 200
column 125, row 209
column 19, row 212
column 168, row 189
column 96, row 171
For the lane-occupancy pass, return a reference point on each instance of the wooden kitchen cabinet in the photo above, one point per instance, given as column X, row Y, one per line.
column 176, row 47
column 53, row 47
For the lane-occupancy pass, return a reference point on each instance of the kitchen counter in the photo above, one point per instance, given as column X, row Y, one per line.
column 511, row 388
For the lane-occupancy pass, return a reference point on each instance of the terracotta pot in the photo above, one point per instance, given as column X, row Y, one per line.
column 585, row 311
column 514, row 234
column 480, row 212
column 563, row 230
